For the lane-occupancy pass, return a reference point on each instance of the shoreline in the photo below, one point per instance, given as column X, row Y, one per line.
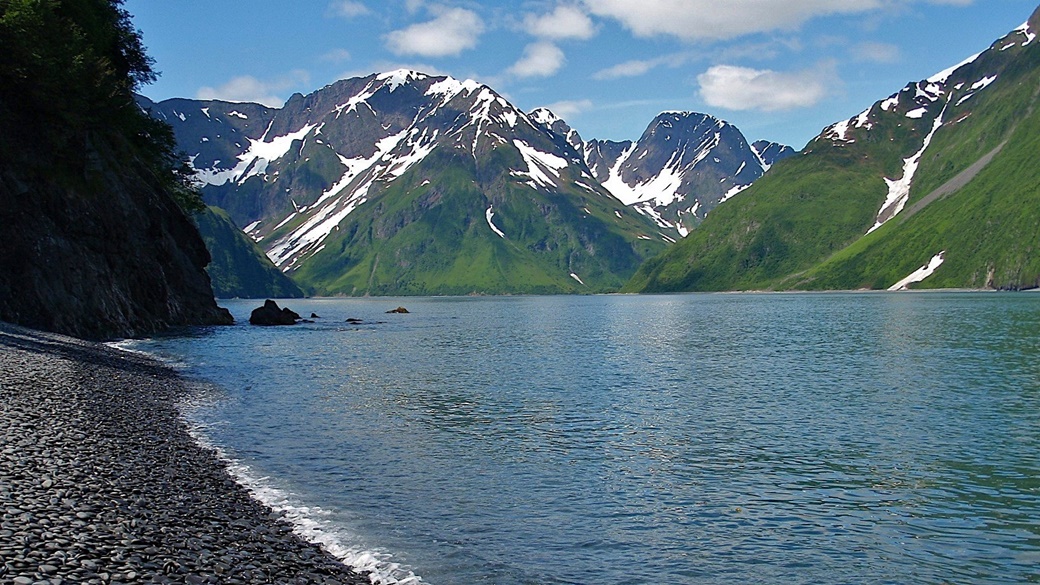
column 102, row 482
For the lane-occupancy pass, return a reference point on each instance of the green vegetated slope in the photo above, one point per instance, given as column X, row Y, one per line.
column 239, row 267
column 428, row 234
column 988, row 230
column 805, row 224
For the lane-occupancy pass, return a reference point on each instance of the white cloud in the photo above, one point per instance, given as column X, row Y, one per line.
column 876, row 52
column 541, row 59
column 696, row 20
column 247, row 88
column 742, row 88
column 348, row 8
column 712, row 20
column 566, row 22
column 569, row 108
column 336, row 56
column 452, row 31
column 637, row 67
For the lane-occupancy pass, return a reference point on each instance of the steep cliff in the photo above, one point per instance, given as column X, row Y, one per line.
column 94, row 235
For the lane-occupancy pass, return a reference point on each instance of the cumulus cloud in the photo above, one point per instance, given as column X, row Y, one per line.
column 541, row 59
column 743, row 88
column 348, row 8
column 452, row 31
column 247, row 88
column 566, row 22
column 876, row 52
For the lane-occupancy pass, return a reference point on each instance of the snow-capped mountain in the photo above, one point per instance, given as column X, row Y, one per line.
column 408, row 183
column 683, row 166
column 939, row 181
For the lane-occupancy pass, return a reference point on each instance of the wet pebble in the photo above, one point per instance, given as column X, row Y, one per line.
column 101, row 483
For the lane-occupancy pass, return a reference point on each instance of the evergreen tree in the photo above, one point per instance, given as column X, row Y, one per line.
column 68, row 73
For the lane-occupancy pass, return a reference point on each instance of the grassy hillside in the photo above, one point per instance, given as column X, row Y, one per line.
column 974, row 195
column 428, row 234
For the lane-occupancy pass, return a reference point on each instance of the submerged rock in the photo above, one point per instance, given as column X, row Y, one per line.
column 272, row 314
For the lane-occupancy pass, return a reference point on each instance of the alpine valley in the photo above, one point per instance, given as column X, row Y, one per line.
column 936, row 186
column 404, row 183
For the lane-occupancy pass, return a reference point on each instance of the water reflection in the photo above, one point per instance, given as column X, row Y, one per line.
column 688, row 439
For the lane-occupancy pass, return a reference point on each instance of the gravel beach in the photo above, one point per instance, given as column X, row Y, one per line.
column 100, row 481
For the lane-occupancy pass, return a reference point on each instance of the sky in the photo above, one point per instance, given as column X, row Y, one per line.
column 780, row 70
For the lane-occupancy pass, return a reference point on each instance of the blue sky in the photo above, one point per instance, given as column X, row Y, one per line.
column 779, row 69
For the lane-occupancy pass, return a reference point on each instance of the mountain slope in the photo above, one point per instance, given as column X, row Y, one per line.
column 402, row 183
column 915, row 180
column 683, row 166
column 239, row 267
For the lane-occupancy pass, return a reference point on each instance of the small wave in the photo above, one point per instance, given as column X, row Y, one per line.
column 133, row 346
column 309, row 522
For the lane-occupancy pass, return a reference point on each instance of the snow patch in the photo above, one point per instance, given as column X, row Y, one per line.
column 541, row 164
column 917, row 114
column 395, row 79
column 490, row 214
column 733, row 193
column 840, row 131
column 890, row 103
column 899, row 190
column 575, row 277
column 206, row 111
column 253, row 161
column 238, row 114
column 983, row 83
column 1027, row 31
column 921, row 273
column 252, row 226
column 944, row 75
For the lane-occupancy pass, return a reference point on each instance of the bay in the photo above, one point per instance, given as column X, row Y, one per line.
column 727, row 438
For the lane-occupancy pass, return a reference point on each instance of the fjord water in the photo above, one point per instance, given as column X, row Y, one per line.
column 793, row 438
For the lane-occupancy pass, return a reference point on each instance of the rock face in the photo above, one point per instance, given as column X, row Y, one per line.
column 408, row 184
column 681, row 168
column 94, row 239
column 111, row 256
column 272, row 314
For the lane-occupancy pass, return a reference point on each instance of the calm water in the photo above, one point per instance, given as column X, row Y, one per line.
column 830, row 438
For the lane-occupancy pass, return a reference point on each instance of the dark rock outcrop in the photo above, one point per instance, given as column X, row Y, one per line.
column 401, row 310
column 111, row 256
column 272, row 314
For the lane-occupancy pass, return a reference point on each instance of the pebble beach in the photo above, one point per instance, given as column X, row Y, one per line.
column 101, row 482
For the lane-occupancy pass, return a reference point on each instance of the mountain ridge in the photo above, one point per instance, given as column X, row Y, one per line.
column 322, row 167
column 836, row 217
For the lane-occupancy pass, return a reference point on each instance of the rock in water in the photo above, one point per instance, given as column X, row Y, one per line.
column 272, row 314
column 399, row 310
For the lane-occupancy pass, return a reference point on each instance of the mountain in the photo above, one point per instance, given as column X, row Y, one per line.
column 239, row 268
column 96, row 239
column 404, row 183
column 683, row 166
column 934, row 186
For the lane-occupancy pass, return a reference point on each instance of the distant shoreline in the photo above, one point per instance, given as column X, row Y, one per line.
column 101, row 482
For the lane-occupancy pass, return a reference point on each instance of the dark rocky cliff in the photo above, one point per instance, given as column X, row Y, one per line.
column 109, row 256
column 94, row 237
